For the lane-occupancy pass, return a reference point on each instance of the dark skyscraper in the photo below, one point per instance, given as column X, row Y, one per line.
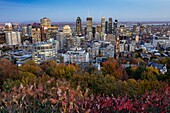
column 110, row 26
column 106, row 27
column 93, row 31
column 115, row 27
column 116, row 33
column 78, row 26
column 115, row 23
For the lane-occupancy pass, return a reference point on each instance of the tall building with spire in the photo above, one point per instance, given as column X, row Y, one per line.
column 89, row 24
column 79, row 26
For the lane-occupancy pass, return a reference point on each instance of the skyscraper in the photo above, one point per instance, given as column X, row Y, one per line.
column 89, row 24
column 110, row 25
column 29, row 30
column 45, row 22
column 115, row 26
column 24, row 30
column 106, row 27
column 78, row 26
column 103, row 24
column 116, row 33
column 13, row 38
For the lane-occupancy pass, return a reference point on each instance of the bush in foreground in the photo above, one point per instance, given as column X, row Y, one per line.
column 57, row 96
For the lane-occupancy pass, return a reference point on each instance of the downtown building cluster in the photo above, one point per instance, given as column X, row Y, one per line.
column 86, row 43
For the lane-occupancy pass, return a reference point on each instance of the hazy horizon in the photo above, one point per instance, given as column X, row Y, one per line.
column 69, row 10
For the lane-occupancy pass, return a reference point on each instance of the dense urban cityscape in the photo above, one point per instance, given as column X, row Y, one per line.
column 55, row 58
column 83, row 45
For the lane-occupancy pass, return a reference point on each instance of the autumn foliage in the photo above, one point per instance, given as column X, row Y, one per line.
column 57, row 96
column 50, row 87
column 112, row 68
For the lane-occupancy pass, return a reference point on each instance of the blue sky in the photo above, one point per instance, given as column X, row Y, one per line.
column 69, row 10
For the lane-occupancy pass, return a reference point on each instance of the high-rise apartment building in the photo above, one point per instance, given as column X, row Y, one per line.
column 13, row 38
column 29, row 30
column 79, row 27
column 24, row 30
column 36, row 35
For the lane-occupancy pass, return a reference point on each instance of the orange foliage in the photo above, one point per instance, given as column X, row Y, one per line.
column 7, row 69
column 112, row 68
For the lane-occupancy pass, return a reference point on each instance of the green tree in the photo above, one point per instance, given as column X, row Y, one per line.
column 150, row 73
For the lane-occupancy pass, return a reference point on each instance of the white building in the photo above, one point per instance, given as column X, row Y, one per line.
column 67, row 30
column 76, row 56
column 13, row 38
column 161, row 40
column 62, row 40
column 24, row 30
column 44, row 51
column 122, row 45
column 127, row 47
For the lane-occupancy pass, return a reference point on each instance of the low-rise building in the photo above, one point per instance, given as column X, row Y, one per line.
column 23, row 59
column 107, row 50
column 161, row 42
column 162, row 68
column 76, row 56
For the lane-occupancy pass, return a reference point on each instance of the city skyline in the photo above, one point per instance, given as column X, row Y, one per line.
column 69, row 10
